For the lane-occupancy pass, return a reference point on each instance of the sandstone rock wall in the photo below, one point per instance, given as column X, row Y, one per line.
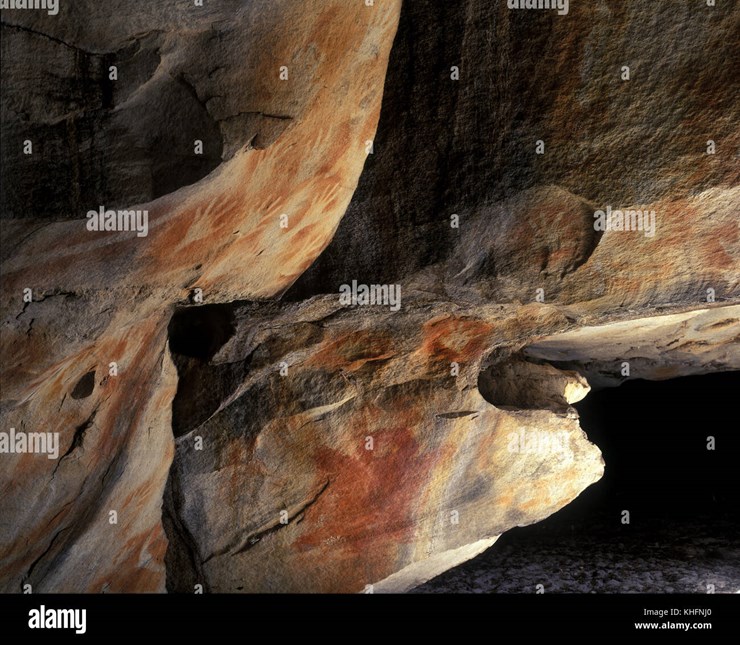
column 250, row 431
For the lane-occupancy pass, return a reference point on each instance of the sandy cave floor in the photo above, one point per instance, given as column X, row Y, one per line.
column 604, row 556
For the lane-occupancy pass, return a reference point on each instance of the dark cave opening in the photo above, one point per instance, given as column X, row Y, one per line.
column 199, row 332
column 681, row 497
column 654, row 438
column 196, row 334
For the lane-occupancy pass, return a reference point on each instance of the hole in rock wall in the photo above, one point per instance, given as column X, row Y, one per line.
column 518, row 384
column 196, row 334
column 199, row 332
column 84, row 387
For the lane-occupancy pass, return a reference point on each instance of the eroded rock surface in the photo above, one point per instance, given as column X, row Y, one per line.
column 107, row 297
column 368, row 459
column 296, row 443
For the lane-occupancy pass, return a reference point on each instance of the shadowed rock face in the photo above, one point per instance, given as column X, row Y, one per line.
column 253, row 443
column 463, row 147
